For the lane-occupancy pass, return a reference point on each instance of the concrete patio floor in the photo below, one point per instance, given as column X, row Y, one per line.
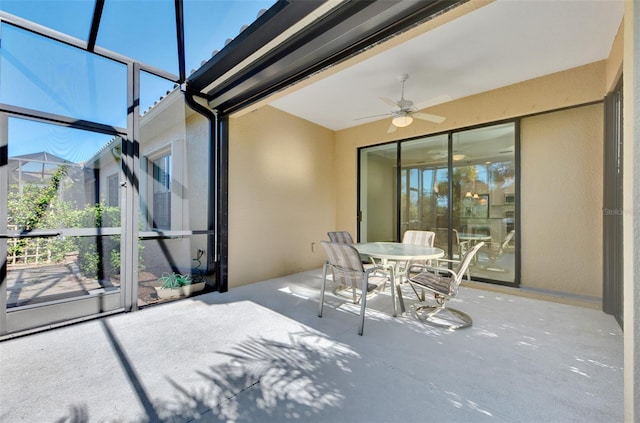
column 259, row 353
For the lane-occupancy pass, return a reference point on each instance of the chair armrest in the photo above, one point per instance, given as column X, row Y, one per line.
column 452, row 261
column 416, row 268
column 374, row 269
column 377, row 269
column 447, row 260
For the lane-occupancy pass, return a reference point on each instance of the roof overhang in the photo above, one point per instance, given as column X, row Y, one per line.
column 296, row 39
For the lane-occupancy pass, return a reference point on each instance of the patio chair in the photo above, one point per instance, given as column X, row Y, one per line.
column 415, row 237
column 440, row 241
column 495, row 250
column 344, row 237
column 426, row 238
column 347, row 269
column 340, row 237
column 444, row 284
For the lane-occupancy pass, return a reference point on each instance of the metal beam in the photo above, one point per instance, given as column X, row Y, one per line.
column 75, row 42
column 180, row 38
column 95, row 24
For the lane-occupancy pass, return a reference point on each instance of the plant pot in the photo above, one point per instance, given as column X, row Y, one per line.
column 183, row 291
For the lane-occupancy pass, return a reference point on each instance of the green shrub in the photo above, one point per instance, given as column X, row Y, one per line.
column 41, row 207
column 96, row 255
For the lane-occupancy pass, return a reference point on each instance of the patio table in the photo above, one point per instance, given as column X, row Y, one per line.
column 397, row 251
column 473, row 237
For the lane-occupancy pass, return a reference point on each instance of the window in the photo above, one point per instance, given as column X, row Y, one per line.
column 113, row 199
column 161, row 207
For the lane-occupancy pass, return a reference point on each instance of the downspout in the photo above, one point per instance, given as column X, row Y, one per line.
column 217, row 196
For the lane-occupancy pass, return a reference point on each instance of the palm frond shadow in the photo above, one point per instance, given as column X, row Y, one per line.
column 266, row 380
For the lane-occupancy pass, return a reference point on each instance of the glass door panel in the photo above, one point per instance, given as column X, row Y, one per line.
column 378, row 193
column 62, row 227
column 484, row 192
column 424, row 203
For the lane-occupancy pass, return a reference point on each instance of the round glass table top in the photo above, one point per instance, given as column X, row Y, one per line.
column 398, row 251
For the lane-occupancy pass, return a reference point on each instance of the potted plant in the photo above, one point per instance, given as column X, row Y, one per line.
column 177, row 285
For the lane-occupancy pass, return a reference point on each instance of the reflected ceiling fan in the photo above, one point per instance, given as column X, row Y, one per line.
column 403, row 111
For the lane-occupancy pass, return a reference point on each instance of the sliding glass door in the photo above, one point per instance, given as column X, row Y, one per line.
column 461, row 185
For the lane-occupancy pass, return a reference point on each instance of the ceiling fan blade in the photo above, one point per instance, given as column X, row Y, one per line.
column 389, row 101
column 391, row 129
column 374, row 116
column 429, row 117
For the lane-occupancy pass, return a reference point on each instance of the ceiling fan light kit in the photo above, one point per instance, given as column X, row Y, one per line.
column 404, row 112
column 402, row 121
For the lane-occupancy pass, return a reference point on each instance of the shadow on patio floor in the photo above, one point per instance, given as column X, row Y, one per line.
column 260, row 353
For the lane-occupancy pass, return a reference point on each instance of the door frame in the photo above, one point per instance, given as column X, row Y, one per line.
column 62, row 311
column 613, row 216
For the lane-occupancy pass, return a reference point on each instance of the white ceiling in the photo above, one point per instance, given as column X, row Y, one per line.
column 503, row 43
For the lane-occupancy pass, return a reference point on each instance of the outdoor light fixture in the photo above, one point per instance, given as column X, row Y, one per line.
column 402, row 120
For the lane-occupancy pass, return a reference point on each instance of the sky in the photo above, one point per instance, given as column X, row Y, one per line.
column 40, row 74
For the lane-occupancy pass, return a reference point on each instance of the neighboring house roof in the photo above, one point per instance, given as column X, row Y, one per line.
column 41, row 157
column 35, row 168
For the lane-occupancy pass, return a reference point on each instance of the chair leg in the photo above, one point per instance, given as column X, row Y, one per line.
column 401, row 300
column 324, row 284
column 420, row 296
column 363, row 305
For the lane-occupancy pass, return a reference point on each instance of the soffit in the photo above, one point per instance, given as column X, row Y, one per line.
column 499, row 44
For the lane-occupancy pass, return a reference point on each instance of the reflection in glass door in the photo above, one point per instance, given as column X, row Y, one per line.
column 424, row 197
column 461, row 185
column 483, row 196
column 62, row 226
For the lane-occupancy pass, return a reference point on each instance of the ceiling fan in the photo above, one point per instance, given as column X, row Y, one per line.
column 403, row 111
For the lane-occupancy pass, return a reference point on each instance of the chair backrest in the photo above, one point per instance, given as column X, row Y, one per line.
column 441, row 237
column 340, row 237
column 456, row 240
column 465, row 261
column 345, row 263
column 425, row 238
column 508, row 239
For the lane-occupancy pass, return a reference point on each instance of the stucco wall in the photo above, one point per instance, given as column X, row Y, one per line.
column 584, row 190
column 561, row 201
column 281, row 195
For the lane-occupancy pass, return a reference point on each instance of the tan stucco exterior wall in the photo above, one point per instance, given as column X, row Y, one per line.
column 281, row 195
column 561, row 201
column 573, row 87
